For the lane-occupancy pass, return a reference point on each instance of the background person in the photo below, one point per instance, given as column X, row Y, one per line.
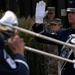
column 50, row 64
column 55, row 25
column 50, row 16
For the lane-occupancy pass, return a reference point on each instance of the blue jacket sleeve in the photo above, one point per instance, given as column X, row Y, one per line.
column 16, row 66
column 39, row 29
column 23, row 67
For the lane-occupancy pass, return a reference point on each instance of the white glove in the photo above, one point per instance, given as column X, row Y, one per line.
column 74, row 64
column 40, row 12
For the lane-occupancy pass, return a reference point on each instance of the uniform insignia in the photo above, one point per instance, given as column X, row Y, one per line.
column 65, row 52
column 9, row 60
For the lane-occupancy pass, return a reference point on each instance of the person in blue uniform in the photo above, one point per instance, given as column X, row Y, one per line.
column 62, row 34
column 16, row 63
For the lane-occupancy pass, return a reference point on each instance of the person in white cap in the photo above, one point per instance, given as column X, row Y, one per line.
column 16, row 65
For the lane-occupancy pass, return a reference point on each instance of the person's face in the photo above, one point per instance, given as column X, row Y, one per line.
column 51, row 15
column 71, row 17
column 54, row 27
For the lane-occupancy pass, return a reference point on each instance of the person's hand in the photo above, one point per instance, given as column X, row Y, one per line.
column 16, row 45
column 40, row 12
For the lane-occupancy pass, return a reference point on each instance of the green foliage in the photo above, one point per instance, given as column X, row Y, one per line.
column 1, row 12
column 35, row 60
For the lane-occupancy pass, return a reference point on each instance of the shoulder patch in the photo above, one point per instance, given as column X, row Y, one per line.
column 9, row 60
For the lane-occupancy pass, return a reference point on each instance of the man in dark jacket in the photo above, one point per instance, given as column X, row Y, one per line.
column 62, row 35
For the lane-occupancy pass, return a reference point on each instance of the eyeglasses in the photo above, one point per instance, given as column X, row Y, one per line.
column 50, row 13
column 52, row 24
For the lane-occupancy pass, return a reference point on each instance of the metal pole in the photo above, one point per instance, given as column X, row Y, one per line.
column 39, row 35
column 44, row 37
column 48, row 54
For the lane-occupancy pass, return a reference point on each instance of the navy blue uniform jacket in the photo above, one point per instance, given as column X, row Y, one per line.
column 9, row 66
column 62, row 35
